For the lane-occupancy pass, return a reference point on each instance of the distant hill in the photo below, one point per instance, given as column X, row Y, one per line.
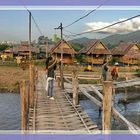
column 112, row 40
column 80, row 40
column 117, row 38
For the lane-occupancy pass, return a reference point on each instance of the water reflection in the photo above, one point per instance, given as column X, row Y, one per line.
column 131, row 110
column 9, row 111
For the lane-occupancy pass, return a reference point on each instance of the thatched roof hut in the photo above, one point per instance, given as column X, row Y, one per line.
column 94, row 47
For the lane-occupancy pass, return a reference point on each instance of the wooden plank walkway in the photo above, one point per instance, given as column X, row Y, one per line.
column 59, row 114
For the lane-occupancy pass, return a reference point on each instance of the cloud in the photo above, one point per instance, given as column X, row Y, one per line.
column 125, row 27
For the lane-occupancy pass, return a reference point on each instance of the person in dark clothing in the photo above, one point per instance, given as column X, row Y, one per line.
column 104, row 71
column 50, row 68
column 100, row 112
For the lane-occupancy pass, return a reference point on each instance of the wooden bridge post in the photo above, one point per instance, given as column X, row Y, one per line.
column 23, row 105
column 36, row 77
column 58, row 80
column 75, row 86
column 31, row 83
column 107, row 104
column 125, row 94
column 125, row 89
column 113, row 94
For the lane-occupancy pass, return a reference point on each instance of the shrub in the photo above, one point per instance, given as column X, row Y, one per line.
column 138, row 73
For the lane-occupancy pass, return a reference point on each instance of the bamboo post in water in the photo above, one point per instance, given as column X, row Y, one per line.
column 23, row 104
column 113, row 94
column 107, row 104
column 125, row 96
column 75, row 86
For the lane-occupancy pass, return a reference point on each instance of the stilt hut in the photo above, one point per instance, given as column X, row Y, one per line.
column 95, row 52
column 65, row 48
column 127, row 53
column 23, row 50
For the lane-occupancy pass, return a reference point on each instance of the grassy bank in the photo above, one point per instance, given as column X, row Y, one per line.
column 10, row 78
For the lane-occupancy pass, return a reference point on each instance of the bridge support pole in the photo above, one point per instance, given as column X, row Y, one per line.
column 107, row 104
column 58, row 80
column 31, row 85
column 113, row 94
column 23, row 105
column 125, row 89
column 75, row 86
column 125, row 96
column 35, row 78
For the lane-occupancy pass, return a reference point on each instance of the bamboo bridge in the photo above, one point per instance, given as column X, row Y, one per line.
column 64, row 114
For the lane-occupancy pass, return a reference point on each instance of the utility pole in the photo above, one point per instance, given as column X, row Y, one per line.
column 61, row 66
column 30, row 54
column 30, row 65
column 61, row 28
column 47, row 49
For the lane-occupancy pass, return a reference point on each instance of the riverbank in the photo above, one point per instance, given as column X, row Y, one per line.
column 10, row 78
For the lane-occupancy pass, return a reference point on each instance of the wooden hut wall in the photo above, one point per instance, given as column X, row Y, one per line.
column 67, row 58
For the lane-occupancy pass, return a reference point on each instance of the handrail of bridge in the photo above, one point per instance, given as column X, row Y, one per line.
column 24, row 104
column 122, row 84
column 25, row 99
column 132, row 127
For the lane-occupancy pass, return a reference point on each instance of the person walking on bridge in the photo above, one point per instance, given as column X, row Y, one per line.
column 104, row 71
column 114, row 72
column 50, row 68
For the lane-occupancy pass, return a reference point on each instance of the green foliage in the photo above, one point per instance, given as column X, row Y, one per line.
column 138, row 73
column 42, row 40
column 76, row 46
column 79, row 58
column 55, row 38
column 113, row 60
column 4, row 46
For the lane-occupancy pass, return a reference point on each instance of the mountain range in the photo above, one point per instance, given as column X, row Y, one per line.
column 113, row 40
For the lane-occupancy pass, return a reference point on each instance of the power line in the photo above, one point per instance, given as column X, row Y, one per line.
column 37, row 26
column 105, row 26
column 61, row 57
column 69, row 32
column 67, row 36
column 85, row 15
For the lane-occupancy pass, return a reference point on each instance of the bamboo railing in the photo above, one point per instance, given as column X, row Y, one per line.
column 27, row 90
column 105, row 103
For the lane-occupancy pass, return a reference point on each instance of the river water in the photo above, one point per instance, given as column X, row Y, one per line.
column 131, row 111
column 10, row 110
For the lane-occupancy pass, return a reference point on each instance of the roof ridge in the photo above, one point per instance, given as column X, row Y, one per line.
column 95, row 43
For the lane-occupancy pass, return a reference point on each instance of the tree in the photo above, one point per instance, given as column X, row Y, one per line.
column 113, row 60
column 79, row 58
column 77, row 46
column 4, row 46
column 42, row 40
column 55, row 38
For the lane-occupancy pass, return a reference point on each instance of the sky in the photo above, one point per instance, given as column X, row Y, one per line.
column 14, row 23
